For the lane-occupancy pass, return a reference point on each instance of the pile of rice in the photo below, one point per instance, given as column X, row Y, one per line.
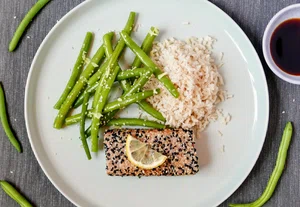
column 193, row 70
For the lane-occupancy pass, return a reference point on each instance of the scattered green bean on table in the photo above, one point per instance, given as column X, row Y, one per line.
column 25, row 22
column 4, row 121
column 277, row 172
column 14, row 194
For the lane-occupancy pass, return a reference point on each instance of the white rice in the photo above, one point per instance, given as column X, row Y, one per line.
column 191, row 67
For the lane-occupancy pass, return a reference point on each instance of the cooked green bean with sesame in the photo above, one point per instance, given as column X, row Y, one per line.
column 146, row 45
column 125, row 101
column 77, row 69
column 131, row 73
column 82, row 125
column 120, row 46
column 139, row 83
column 105, row 85
column 97, row 110
column 146, row 60
column 107, row 43
column 81, row 83
column 135, row 122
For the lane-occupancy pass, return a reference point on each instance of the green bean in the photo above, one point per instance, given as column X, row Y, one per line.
column 108, row 52
column 77, row 118
column 125, row 85
column 106, row 117
column 112, row 106
column 82, row 125
column 122, row 102
column 97, row 111
column 134, row 73
column 135, row 122
column 150, row 64
column 104, row 88
column 148, row 108
column 76, row 70
column 121, row 76
column 277, row 172
column 25, row 22
column 107, row 43
column 119, row 47
column 5, row 124
column 91, row 90
column 139, row 83
column 146, row 45
column 14, row 194
column 81, row 83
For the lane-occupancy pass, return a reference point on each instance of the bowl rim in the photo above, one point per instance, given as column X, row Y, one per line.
column 272, row 25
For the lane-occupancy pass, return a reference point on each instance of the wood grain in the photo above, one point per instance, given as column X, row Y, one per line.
column 23, row 169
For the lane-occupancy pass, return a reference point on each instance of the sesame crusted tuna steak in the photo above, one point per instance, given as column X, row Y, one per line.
column 176, row 144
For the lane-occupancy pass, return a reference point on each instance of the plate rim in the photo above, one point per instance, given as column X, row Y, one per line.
column 251, row 47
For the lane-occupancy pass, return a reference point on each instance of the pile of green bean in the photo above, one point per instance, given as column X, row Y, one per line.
column 97, row 78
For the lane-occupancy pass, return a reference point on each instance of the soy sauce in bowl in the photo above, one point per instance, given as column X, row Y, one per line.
column 285, row 46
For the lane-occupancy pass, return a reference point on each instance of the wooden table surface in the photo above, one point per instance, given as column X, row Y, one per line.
column 23, row 169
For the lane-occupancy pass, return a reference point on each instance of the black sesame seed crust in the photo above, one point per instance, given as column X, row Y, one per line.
column 176, row 144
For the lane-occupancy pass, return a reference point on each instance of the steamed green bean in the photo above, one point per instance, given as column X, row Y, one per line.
column 97, row 111
column 82, row 126
column 126, row 74
column 135, row 122
column 139, row 83
column 146, row 45
column 104, row 88
column 146, row 60
column 131, row 73
column 81, row 83
column 77, row 69
column 114, row 105
column 120, row 46
column 107, row 43
column 125, row 101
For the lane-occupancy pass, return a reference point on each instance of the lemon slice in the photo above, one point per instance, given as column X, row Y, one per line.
column 141, row 155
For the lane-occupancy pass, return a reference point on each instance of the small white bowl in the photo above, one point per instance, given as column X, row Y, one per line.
column 289, row 12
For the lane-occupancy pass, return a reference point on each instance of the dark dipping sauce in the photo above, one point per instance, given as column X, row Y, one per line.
column 285, row 46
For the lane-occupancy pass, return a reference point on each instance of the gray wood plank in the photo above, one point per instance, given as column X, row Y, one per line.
column 23, row 169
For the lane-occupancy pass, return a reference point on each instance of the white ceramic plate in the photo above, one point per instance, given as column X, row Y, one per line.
column 225, row 161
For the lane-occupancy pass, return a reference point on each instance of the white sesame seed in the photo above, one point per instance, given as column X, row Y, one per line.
column 186, row 23
column 220, row 133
